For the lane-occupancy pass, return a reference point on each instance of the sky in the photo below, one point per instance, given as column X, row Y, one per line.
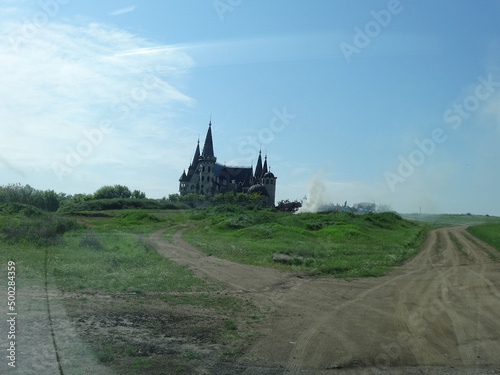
column 391, row 102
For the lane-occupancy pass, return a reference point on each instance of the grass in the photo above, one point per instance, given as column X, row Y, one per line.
column 489, row 233
column 111, row 255
column 489, row 253
column 340, row 244
column 458, row 244
column 445, row 220
column 168, row 235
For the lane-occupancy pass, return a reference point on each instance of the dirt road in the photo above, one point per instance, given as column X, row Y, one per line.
column 441, row 310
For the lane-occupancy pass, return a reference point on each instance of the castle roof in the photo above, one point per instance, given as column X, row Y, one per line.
column 208, row 147
column 264, row 168
column 240, row 175
column 258, row 168
column 196, row 156
column 184, row 177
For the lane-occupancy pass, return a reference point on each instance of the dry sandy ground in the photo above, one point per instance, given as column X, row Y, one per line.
column 36, row 353
column 437, row 314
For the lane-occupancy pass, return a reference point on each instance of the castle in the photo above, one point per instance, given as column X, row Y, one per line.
column 206, row 176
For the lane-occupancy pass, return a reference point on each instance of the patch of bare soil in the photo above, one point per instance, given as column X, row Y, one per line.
column 137, row 337
column 438, row 313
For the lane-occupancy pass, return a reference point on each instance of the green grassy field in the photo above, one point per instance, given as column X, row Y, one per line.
column 90, row 257
column 489, row 233
column 451, row 220
column 340, row 244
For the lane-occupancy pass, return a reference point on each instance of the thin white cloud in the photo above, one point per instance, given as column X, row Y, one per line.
column 122, row 11
column 66, row 81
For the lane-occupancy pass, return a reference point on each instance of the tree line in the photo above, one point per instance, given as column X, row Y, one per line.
column 49, row 200
column 114, row 197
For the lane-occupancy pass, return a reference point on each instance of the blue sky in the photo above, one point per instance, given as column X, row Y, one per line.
column 392, row 102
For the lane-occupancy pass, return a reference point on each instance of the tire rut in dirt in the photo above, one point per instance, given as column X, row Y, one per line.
column 438, row 309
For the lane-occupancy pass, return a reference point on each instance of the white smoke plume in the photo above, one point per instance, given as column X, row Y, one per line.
column 315, row 195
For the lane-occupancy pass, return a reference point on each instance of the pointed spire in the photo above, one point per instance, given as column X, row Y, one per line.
column 258, row 168
column 208, row 147
column 183, row 177
column 264, row 168
column 196, row 156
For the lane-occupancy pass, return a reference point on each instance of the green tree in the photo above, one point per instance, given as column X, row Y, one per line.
column 174, row 197
column 47, row 200
column 138, row 194
column 193, row 199
column 110, row 192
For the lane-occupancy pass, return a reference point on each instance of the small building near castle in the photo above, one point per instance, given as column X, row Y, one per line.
column 206, row 176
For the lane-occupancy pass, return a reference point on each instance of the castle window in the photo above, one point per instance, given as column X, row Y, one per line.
column 203, row 170
column 208, row 169
column 203, row 178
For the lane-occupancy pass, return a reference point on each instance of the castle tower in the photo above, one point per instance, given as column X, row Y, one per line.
column 186, row 179
column 206, row 165
column 258, row 170
column 183, row 183
column 269, row 182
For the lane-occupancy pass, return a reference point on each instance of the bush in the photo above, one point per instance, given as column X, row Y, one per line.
column 41, row 231
column 20, row 209
column 46, row 200
column 110, row 192
column 91, row 240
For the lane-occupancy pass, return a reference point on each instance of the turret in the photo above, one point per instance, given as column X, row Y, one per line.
column 183, row 183
column 269, row 182
column 206, row 165
column 258, row 169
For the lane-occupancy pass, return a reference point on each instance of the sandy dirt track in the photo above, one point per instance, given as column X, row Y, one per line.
column 439, row 311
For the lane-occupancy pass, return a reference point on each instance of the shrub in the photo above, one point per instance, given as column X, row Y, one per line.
column 47, row 200
column 40, row 231
column 145, row 243
column 91, row 240
column 117, row 191
column 21, row 210
column 238, row 222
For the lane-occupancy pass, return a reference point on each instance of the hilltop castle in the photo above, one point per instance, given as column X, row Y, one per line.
column 206, row 176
